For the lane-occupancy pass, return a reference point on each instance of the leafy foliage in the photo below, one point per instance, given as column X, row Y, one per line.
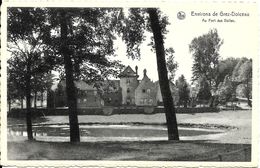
column 171, row 64
column 243, row 75
column 184, row 91
column 224, row 68
column 237, row 81
column 204, row 93
column 90, row 42
column 205, row 51
column 226, row 90
column 30, row 58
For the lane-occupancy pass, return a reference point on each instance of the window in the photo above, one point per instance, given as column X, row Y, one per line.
column 128, row 90
column 78, row 100
column 148, row 90
column 95, row 92
column 143, row 90
column 128, row 81
column 85, row 100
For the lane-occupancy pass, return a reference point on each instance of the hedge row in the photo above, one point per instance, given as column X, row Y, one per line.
column 18, row 113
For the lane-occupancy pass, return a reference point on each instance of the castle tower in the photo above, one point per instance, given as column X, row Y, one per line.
column 128, row 83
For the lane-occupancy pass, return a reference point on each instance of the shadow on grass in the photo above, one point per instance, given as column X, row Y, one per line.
column 140, row 150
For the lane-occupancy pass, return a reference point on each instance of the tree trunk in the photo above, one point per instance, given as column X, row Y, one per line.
column 249, row 102
column 21, row 102
column 28, row 102
column 70, row 88
column 41, row 98
column 35, row 100
column 163, row 76
column 9, row 105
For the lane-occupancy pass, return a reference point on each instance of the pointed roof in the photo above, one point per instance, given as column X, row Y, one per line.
column 128, row 72
column 146, row 81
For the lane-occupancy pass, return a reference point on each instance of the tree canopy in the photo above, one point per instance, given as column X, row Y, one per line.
column 205, row 51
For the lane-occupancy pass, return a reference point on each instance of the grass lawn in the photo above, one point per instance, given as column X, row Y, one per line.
column 152, row 150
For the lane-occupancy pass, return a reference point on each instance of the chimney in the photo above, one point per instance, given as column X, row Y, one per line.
column 145, row 72
column 136, row 70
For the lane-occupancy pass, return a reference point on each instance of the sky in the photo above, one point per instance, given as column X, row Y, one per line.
column 238, row 37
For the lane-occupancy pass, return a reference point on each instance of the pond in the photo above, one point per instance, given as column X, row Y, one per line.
column 109, row 132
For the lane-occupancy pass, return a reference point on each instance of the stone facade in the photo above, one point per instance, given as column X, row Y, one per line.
column 145, row 93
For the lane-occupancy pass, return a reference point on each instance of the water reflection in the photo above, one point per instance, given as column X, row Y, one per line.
column 99, row 132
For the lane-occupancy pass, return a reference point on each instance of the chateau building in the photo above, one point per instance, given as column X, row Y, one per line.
column 127, row 91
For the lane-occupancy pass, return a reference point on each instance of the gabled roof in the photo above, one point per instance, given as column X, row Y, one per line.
column 128, row 72
column 81, row 85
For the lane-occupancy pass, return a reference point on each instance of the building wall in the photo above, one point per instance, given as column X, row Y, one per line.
column 89, row 98
column 113, row 98
column 128, row 85
column 145, row 94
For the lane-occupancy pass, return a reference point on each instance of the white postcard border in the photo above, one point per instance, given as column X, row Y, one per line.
column 120, row 3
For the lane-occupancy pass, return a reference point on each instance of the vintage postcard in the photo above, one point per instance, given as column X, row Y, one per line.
column 129, row 83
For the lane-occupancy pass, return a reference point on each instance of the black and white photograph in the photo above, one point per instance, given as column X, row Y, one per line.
column 166, row 83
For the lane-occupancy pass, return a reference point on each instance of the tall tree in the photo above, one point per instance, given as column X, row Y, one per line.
column 70, row 88
column 132, row 29
column 29, row 56
column 85, row 46
column 183, row 89
column 204, row 93
column 205, row 51
column 163, row 77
